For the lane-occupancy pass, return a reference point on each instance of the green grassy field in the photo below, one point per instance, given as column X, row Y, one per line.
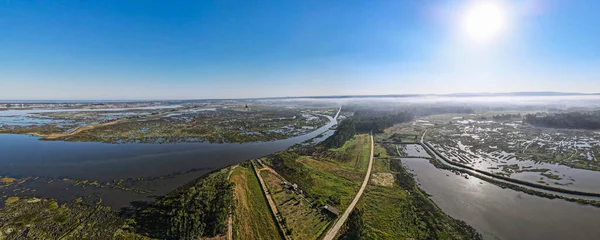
column 381, row 162
column 329, row 188
column 332, row 176
column 353, row 155
column 301, row 219
column 37, row 218
column 401, row 210
column 252, row 217
column 338, row 172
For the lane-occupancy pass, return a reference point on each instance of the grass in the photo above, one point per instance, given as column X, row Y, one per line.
column 329, row 188
column 353, row 155
column 333, row 168
column 551, row 176
column 252, row 217
column 7, row 180
column 405, row 128
column 219, row 126
column 11, row 200
column 402, row 211
column 338, row 173
column 32, row 218
column 330, row 176
column 304, row 221
column 382, row 162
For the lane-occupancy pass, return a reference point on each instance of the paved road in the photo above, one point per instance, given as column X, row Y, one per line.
column 336, row 228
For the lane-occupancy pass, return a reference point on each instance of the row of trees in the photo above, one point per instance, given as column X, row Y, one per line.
column 345, row 131
column 507, row 116
column 364, row 121
column 572, row 120
column 370, row 120
column 433, row 110
column 285, row 164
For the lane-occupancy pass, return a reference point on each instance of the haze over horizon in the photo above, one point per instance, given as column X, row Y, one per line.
column 234, row 49
column 473, row 95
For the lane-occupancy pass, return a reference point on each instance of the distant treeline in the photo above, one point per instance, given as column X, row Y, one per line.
column 416, row 110
column 285, row 164
column 507, row 116
column 377, row 118
column 377, row 121
column 571, row 120
column 433, row 110
column 364, row 121
column 345, row 131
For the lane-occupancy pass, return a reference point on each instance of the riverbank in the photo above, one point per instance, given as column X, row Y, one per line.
column 508, row 182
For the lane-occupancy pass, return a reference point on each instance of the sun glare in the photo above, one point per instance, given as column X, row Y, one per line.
column 484, row 21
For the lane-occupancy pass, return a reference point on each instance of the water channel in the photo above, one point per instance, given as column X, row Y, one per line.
column 500, row 213
column 51, row 161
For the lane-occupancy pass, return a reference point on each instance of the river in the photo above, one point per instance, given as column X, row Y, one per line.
column 164, row 166
column 500, row 213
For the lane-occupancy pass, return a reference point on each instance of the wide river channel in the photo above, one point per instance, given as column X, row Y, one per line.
column 499, row 213
column 156, row 167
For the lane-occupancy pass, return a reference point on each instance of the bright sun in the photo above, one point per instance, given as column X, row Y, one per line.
column 483, row 21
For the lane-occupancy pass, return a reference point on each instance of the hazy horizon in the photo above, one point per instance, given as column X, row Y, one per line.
column 462, row 95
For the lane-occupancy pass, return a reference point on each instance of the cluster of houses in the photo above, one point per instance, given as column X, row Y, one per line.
column 330, row 210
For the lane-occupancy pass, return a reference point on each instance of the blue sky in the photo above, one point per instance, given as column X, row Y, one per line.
column 236, row 49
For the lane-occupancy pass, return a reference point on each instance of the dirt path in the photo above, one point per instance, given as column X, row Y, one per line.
column 336, row 228
column 267, row 168
column 230, row 219
column 272, row 204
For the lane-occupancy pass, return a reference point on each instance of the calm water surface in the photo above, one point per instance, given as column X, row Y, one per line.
column 26, row 156
column 500, row 213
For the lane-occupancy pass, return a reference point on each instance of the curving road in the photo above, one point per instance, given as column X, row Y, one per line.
column 336, row 228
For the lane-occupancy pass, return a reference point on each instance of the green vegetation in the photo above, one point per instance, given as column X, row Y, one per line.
column 328, row 176
column 301, row 219
column 11, row 200
column 218, row 126
column 376, row 121
column 355, row 227
column 393, row 207
column 468, row 140
column 345, row 131
column 488, row 177
column 402, row 211
column 320, row 183
column 404, row 138
column 229, row 121
column 506, row 116
column 198, row 209
column 551, row 176
column 572, row 120
column 353, row 155
column 381, row 162
column 252, row 218
column 36, row 218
